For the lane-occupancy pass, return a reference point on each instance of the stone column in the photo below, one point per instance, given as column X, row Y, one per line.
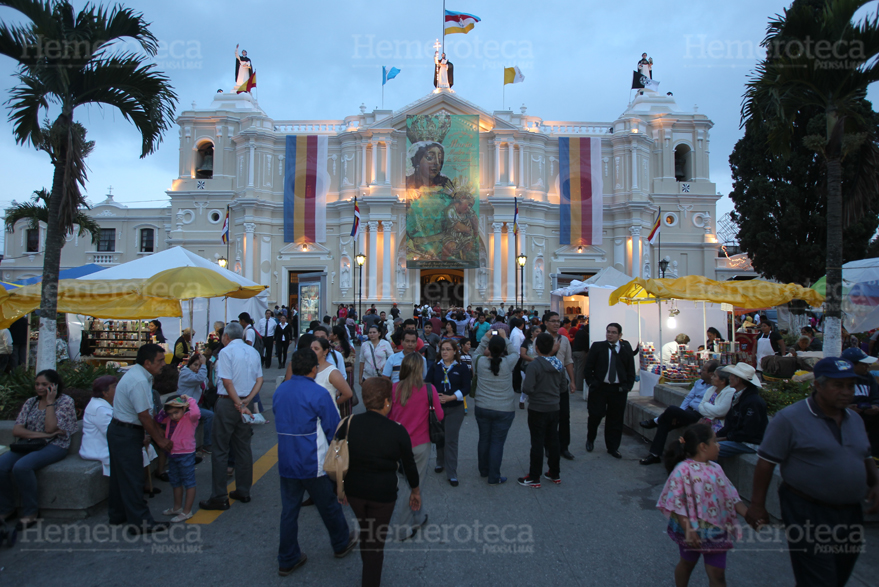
column 363, row 164
column 634, row 168
column 510, row 145
column 636, row 250
column 521, row 165
column 511, row 263
column 387, row 260
column 374, row 179
column 497, row 162
column 387, row 162
column 372, row 260
column 250, row 245
column 497, row 266
column 416, row 279
column 252, row 160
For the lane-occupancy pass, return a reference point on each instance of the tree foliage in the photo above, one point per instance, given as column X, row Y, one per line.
column 780, row 203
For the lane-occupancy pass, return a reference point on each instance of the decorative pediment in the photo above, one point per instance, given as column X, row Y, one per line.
column 443, row 103
column 584, row 253
column 305, row 251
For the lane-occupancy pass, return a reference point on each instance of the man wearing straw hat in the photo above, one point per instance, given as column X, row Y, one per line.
column 746, row 422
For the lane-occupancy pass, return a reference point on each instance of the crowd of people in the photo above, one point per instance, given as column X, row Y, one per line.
column 416, row 377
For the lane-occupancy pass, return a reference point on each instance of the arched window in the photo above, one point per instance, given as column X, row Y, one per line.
column 683, row 163
column 204, row 161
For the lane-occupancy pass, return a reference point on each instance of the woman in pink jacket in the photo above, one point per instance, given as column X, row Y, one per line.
column 181, row 415
column 409, row 407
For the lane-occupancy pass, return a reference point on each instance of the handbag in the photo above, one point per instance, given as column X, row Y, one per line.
column 336, row 461
column 436, row 429
column 473, row 381
column 25, row 446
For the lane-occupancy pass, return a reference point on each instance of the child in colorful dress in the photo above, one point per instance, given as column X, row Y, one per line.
column 701, row 505
column 181, row 415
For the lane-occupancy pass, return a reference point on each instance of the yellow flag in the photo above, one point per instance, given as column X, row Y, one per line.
column 513, row 75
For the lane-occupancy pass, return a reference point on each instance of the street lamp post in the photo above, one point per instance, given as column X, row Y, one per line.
column 222, row 262
column 522, row 260
column 360, row 259
column 663, row 265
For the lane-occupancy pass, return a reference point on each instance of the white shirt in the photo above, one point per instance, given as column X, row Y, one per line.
column 668, row 349
column 240, row 363
column 134, row 394
column 249, row 335
column 517, row 337
column 5, row 342
column 266, row 327
column 616, row 348
column 95, row 421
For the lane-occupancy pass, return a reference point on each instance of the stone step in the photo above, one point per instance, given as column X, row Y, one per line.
column 670, row 394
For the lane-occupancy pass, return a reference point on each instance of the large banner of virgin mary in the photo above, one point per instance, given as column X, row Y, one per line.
column 442, row 189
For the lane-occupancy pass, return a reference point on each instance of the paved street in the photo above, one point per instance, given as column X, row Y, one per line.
column 599, row 527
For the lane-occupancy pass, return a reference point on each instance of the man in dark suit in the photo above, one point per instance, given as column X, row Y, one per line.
column 610, row 374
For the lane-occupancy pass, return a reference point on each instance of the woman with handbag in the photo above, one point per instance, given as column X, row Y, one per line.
column 43, row 429
column 412, row 402
column 453, row 379
column 373, row 354
column 375, row 446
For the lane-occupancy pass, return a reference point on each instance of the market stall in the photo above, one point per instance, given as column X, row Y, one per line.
column 673, row 297
column 201, row 311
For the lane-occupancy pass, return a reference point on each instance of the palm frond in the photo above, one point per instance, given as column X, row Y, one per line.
column 30, row 211
column 121, row 22
column 143, row 95
column 26, row 102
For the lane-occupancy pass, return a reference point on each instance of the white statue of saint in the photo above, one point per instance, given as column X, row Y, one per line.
column 243, row 69
column 645, row 66
column 444, row 72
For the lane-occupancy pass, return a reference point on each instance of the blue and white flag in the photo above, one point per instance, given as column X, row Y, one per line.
column 389, row 74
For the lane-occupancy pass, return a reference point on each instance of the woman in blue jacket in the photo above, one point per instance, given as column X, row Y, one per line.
column 452, row 380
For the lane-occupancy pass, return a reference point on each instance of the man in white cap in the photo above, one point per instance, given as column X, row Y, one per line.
column 746, row 421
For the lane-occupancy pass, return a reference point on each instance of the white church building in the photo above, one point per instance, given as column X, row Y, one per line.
column 654, row 155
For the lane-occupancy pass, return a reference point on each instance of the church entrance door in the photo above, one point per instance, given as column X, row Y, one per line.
column 442, row 286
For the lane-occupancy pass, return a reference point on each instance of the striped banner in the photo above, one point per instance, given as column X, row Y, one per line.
column 306, row 182
column 581, row 200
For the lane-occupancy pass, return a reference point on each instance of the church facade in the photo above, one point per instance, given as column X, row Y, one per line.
column 655, row 155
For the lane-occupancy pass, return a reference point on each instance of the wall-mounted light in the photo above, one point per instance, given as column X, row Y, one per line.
column 304, row 247
column 579, row 249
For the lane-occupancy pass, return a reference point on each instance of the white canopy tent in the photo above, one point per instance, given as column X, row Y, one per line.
column 205, row 311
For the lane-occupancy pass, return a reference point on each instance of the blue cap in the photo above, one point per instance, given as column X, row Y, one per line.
column 834, row 368
column 856, row 355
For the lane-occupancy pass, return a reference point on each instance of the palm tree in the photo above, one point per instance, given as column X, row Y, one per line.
column 818, row 57
column 37, row 210
column 66, row 60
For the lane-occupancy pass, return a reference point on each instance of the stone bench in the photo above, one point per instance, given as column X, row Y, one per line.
column 739, row 469
column 70, row 488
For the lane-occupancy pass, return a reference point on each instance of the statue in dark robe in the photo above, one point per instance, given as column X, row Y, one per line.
column 444, row 72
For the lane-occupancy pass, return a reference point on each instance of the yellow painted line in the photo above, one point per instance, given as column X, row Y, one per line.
column 260, row 468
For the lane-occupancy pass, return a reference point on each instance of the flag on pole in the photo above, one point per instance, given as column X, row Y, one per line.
column 355, row 229
column 460, row 22
column 513, row 75
column 642, row 82
column 225, row 236
column 654, row 232
column 515, row 215
column 248, row 85
column 388, row 74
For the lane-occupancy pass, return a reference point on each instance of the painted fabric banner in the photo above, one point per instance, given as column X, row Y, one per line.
column 581, row 201
column 442, row 190
column 306, row 183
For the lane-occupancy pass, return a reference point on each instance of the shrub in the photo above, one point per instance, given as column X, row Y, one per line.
column 778, row 395
column 17, row 386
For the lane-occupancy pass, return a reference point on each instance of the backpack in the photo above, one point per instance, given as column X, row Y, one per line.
column 258, row 344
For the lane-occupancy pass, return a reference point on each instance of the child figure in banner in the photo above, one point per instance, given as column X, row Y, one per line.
column 460, row 225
